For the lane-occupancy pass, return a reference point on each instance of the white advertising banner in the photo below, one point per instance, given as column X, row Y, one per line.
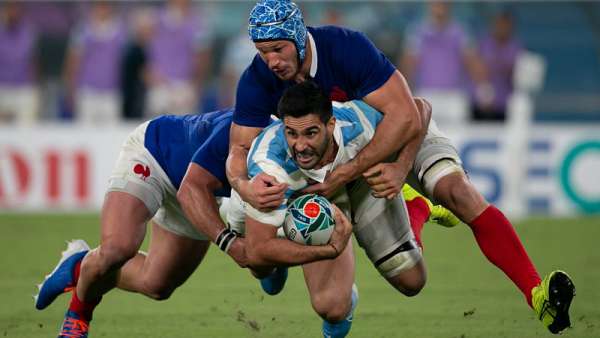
column 65, row 168
column 555, row 171
column 60, row 167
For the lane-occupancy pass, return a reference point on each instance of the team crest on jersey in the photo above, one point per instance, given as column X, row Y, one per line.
column 142, row 170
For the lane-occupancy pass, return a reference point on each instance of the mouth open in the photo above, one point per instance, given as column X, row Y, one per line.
column 304, row 158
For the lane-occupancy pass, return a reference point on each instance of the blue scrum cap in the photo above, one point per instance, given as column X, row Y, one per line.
column 278, row 20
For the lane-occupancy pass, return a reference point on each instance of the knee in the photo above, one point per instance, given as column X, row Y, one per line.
column 113, row 256
column 158, row 290
column 411, row 290
column 331, row 307
column 410, row 283
column 459, row 195
column 261, row 272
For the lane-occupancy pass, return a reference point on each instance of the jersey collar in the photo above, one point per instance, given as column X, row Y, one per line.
column 313, row 60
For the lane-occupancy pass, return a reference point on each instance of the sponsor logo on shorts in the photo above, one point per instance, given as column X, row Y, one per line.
column 142, row 170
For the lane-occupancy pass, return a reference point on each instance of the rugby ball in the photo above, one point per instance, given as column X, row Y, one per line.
column 309, row 220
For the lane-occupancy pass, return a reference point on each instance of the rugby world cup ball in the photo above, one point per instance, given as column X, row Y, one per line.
column 309, row 220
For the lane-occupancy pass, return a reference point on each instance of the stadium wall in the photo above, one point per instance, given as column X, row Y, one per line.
column 62, row 168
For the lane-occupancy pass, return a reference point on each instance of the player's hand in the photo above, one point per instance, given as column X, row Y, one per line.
column 333, row 181
column 386, row 179
column 341, row 232
column 237, row 251
column 263, row 192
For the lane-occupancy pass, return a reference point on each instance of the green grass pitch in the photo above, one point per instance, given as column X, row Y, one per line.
column 465, row 296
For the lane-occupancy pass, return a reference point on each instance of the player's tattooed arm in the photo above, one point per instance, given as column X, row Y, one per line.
column 196, row 196
column 263, row 192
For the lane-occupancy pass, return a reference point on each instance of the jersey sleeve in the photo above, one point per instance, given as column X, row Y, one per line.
column 367, row 114
column 267, row 155
column 364, row 64
column 253, row 103
column 276, row 216
column 212, row 154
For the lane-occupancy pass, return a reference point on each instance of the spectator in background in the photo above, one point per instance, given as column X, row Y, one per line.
column 92, row 67
column 53, row 22
column 178, row 59
column 499, row 50
column 18, row 74
column 134, row 66
column 332, row 17
column 437, row 59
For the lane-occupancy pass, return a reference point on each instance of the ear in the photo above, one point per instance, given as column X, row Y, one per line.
column 331, row 124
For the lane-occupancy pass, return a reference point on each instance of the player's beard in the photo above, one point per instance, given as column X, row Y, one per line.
column 316, row 154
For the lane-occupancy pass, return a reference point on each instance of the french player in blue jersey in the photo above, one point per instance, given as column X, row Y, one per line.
column 348, row 66
column 171, row 170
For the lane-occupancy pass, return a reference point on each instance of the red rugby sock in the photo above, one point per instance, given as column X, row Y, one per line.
column 83, row 309
column 418, row 213
column 76, row 271
column 501, row 245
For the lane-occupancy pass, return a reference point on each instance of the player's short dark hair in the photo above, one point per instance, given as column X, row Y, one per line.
column 303, row 99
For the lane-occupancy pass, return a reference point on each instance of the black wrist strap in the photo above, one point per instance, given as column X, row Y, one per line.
column 225, row 239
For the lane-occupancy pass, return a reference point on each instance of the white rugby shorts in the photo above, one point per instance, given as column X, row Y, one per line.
column 436, row 146
column 137, row 173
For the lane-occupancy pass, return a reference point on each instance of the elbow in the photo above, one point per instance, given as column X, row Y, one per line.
column 414, row 127
column 424, row 111
column 409, row 123
column 237, row 149
column 183, row 196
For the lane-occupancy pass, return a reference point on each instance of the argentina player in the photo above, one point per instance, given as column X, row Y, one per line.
column 311, row 140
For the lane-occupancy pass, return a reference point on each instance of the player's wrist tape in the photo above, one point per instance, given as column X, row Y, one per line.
column 225, row 239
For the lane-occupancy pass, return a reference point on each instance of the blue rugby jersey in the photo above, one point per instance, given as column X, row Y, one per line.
column 354, row 128
column 175, row 141
column 348, row 67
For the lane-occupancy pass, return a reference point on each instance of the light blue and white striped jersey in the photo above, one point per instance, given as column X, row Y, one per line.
column 354, row 128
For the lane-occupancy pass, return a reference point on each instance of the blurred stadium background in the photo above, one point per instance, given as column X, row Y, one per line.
column 515, row 84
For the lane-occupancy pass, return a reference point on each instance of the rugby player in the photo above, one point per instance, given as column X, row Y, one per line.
column 348, row 66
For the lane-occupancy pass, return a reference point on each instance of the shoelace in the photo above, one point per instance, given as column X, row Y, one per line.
column 546, row 308
column 74, row 328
